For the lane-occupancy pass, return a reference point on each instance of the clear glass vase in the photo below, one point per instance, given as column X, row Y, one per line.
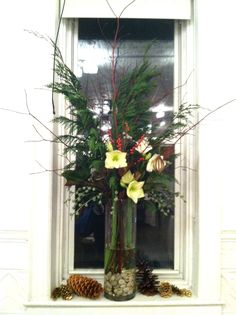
column 120, row 242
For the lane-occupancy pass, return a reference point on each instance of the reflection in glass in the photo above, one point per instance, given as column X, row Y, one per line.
column 155, row 232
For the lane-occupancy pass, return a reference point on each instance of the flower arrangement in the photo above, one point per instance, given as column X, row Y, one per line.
column 129, row 159
column 119, row 166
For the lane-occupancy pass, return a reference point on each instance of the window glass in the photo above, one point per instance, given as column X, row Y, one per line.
column 155, row 231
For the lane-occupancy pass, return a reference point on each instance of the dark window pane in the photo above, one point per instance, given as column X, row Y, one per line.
column 155, row 232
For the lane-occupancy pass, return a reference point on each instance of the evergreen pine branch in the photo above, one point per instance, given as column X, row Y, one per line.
column 133, row 103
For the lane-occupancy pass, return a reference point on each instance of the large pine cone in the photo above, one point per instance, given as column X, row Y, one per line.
column 147, row 281
column 84, row 286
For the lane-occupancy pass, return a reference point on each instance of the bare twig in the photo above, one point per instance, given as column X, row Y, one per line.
column 42, row 124
column 42, row 138
column 13, row 111
column 126, row 7
column 169, row 91
column 45, row 170
column 54, row 56
column 111, row 8
column 203, row 118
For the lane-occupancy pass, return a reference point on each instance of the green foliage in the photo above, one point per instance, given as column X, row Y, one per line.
column 131, row 116
column 178, row 125
column 75, row 176
column 133, row 101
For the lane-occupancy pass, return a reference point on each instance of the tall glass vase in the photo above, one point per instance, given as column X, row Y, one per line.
column 120, row 242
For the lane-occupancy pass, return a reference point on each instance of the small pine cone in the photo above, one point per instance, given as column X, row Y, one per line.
column 177, row 290
column 165, row 289
column 66, row 292
column 84, row 286
column 186, row 292
column 181, row 292
column 56, row 293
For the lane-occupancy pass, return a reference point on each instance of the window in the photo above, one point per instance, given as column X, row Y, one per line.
column 155, row 230
column 180, row 241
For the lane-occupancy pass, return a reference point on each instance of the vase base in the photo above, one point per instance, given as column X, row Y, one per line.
column 119, row 298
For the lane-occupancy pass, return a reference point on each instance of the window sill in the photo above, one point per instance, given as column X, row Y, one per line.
column 180, row 305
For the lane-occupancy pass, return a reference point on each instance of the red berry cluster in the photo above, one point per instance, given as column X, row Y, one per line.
column 140, row 160
column 119, row 143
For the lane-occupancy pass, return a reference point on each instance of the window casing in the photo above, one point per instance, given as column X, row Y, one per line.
column 185, row 175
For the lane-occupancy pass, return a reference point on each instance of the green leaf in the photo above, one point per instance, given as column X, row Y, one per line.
column 76, row 176
column 98, row 165
column 112, row 182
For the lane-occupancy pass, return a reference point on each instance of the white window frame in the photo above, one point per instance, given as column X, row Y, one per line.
column 186, row 172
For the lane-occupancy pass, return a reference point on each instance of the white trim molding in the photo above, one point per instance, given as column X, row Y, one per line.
column 154, row 9
column 140, row 305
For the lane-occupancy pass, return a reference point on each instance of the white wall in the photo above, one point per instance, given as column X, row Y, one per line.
column 25, row 63
column 216, row 61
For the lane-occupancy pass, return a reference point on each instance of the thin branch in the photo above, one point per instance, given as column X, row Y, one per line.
column 45, row 170
column 203, row 118
column 168, row 92
column 42, row 124
column 42, row 138
column 111, row 8
column 13, row 111
column 102, row 32
column 126, row 7
column 54, row 56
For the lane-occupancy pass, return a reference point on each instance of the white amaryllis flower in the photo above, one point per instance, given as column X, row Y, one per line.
column 143, row 146
column 135, row 190
column 156, row 163
column 115, row 159
column 127, row 178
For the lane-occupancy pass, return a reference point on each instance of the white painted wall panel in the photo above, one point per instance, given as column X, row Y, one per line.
column 26, row 64
column 13, row 291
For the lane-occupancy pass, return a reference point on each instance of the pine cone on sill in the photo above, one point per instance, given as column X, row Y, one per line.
column 56, row 293
column 66, row 292
column 165, row 289
column 84, row 286
column 147, row 281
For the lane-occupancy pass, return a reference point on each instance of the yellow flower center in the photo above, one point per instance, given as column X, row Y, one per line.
column 115, row 158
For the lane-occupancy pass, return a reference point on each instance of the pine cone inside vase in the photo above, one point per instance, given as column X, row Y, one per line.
column 84, row 286
column 147, row 281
